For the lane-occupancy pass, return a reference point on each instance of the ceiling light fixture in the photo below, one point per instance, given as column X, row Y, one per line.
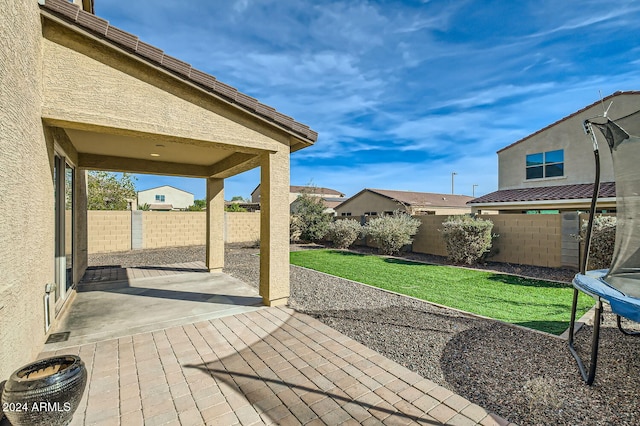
column 155, row 155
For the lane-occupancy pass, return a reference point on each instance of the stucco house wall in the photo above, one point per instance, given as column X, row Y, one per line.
column 569, row 136
column 178, row 198
column 25, row 183
column 367, row 202
column 75, row 88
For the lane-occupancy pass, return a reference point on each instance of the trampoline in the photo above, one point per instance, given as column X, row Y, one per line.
column 619, row 286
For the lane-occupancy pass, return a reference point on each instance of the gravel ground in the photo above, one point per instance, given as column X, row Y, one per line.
column 527, row 377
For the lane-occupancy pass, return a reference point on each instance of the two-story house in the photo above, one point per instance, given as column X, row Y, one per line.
column 552, row 170
column 165, row 197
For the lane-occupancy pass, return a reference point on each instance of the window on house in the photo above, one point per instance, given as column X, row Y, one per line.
column 370, row 213
column 160, row 198
column 345, row 214
column 388, row 213
column 545, row 164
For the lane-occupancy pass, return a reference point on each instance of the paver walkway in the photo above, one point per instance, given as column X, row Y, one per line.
column 270, row 366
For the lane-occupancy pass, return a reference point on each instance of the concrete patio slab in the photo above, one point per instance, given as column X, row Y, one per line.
column 115, row 302
column 269, row 366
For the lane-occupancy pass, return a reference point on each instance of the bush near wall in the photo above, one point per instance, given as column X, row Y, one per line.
column 391, row 233
column 603, row 238
column 468, row 238
column 343, row 233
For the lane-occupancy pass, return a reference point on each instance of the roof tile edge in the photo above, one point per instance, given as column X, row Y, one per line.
column 123, row 39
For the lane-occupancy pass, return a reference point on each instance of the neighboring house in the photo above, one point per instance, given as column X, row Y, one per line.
column 552, row 170
column 377, row 202
column 296, row 191
column 79, row 94
column 165, row 198
column 330, row 203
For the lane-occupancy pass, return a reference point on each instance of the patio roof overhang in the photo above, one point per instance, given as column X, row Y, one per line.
column 112, row 102
column 122, row 111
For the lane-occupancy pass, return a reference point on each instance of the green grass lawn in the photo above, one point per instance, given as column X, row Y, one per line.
column 536, row 304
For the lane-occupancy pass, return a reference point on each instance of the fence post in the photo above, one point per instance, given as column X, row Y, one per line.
column 570, row 255
column 137, row 239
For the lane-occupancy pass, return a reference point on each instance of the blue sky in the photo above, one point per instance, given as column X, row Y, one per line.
column 402, row 93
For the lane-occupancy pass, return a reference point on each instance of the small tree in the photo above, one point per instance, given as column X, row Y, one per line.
column 393, row 232
column 344, row 232
column 197, row 206
column 312, row 221
column 603, row 238
column 107, row 192
column 467, row 238
column 234, row 207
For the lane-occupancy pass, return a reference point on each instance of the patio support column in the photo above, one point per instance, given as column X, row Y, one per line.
column 215, row 224
column 274, row 228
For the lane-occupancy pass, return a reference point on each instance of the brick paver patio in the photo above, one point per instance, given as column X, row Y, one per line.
column 271, row 366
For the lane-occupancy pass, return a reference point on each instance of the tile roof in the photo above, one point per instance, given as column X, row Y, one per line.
column 423, row 198
column 547, row 193
column 600, row 101
column 129, row 42
column 160, row 206
column 315, row 190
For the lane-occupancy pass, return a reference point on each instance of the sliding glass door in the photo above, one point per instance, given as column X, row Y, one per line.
column 64, row 181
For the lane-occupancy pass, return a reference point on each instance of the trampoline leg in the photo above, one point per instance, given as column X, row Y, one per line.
column 628, row 333
column 591, row 375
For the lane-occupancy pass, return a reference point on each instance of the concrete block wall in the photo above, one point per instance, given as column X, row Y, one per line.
column 429, row 240
column 173, row 229
column 242, row 227
column 111, row 231
column 108, row 231
column 523, row 239
column 528, row 239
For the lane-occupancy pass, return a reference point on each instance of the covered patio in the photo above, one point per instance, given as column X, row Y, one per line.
column 139, row 110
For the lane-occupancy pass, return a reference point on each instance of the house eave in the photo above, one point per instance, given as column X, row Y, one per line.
column 511, row 205
column 297, row 140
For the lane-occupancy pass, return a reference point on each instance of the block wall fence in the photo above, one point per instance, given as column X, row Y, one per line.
column 539, row 240
column 111, row 231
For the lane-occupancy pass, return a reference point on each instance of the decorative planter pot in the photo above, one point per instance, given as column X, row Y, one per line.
column 45, row 392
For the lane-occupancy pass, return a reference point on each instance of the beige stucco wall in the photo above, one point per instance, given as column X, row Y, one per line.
column 137, row 97
column 578, row 151
column 26, row 222
column 368, row 202
column 177, row 198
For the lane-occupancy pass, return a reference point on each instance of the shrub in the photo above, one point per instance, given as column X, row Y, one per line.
column 344, row 232
column 603, row 238
column 468, row 238
column 391, row 233
column 313, row 222
column 294, row 228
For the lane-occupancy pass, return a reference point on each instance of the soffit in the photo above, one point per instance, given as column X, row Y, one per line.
column 140, row 148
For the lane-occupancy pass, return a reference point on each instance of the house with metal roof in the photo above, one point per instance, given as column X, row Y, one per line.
column 377, row 202
column 552, row 170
